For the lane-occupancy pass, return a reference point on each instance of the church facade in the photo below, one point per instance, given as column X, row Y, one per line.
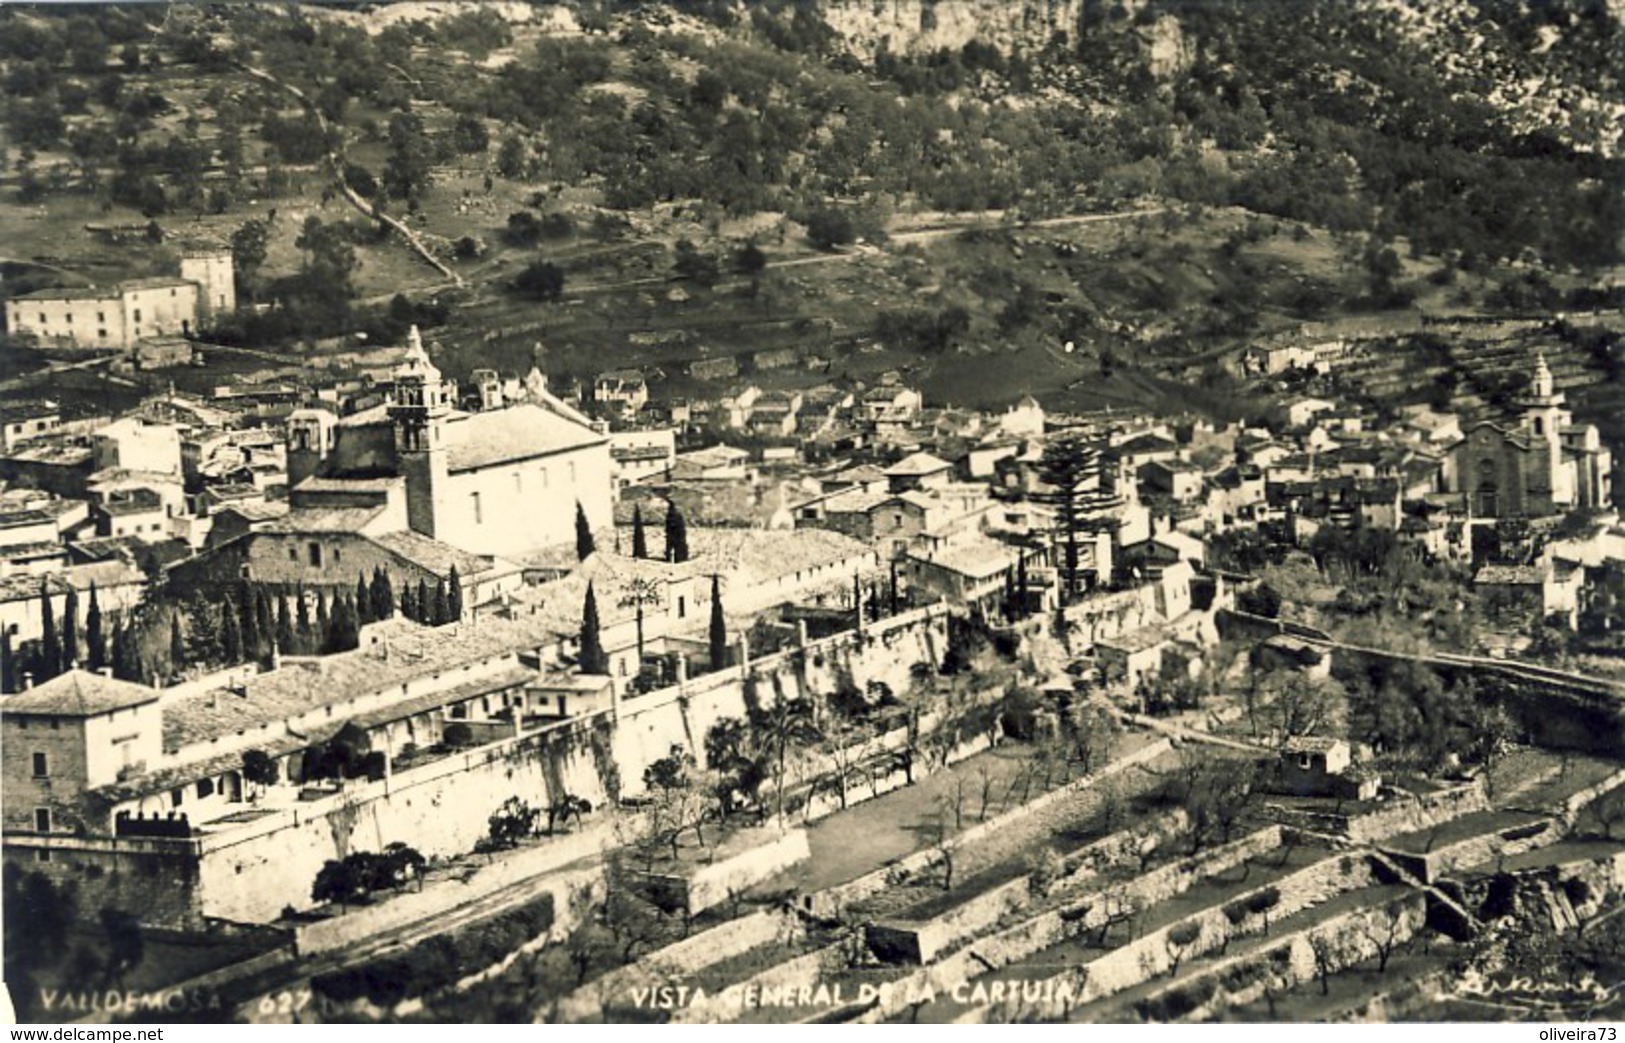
column 499, row 482
column 1540, row 465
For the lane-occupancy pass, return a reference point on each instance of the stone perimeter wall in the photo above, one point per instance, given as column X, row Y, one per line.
column 249, row 873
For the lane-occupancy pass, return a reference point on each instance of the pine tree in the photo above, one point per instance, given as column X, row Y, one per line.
column 50, row 655
column 231, row 633
column 70, row 631
column 409, row 603
column 284, row 626
column 363, row 601
column 95, row 634
column 676, row 534
column 425, row 604
column 592, row 658
column 454, row 595
column 1067, row 467
column 584, row 541
column 1021, row 584
column 442, row 604
column 719, row 627
column 640, row 542
column 383, row 595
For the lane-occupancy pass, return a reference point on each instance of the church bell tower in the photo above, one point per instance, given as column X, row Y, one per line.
column 418, row 410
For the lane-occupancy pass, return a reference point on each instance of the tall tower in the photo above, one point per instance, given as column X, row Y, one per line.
column 1544, row 416
column 210, row 268
column 419, row 411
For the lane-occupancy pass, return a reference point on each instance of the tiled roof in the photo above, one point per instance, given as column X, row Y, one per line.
column 978, row 559
column 70, row 293
column 917, row 464
column 104, row 574
column 414, row 651
column 518, row 433
column 439, row 558
column 324, row 519
column 79, row 693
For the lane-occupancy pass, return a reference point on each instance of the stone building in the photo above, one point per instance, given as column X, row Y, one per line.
column 119, row 316
column 1543, row 465
column 500, row 482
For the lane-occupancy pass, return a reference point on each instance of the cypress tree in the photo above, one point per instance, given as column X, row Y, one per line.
column 50, row 656
column 676, row 534
column 7, row 671
column 409, row 603
column 324, row 624
column 719, row 627
column 177, row 644
column 592, row 658
column 584, row 541
column 231, row 633
column 425, row 605
column 454, row 595
column 301, row 629
column 640, row 542
column 70, row 631
column 383, row 595
column 345, row 632
column 363, row 601
column 442, row 604
column 265, row 620
column 895, row 606
column 95, row 635
column 1021, row 584
column 252, row 636
column 126, row 663
column 284, row 625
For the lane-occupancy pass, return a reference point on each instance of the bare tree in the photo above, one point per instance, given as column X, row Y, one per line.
column 1328, row 955
column 985, row 777
column 1385, row 932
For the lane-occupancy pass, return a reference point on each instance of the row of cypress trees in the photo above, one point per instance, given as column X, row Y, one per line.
column 676, row 534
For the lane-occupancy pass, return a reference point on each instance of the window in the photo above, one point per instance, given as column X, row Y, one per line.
column 138, row 315
column 42, row 319
column 293, row 553
column 474, row 499
column 68, row 318
column 41, row 767
column 102, row 334
column 42, row 820
column 315, row 552
column 1540, row 425
column 205, row 788
column 338, row 554
column 177, row 797
column 101, row 316
column 682, row 606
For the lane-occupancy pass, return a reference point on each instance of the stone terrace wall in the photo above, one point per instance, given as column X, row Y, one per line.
column 1069, row 921
column 1150, row 955
column 828, row 903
